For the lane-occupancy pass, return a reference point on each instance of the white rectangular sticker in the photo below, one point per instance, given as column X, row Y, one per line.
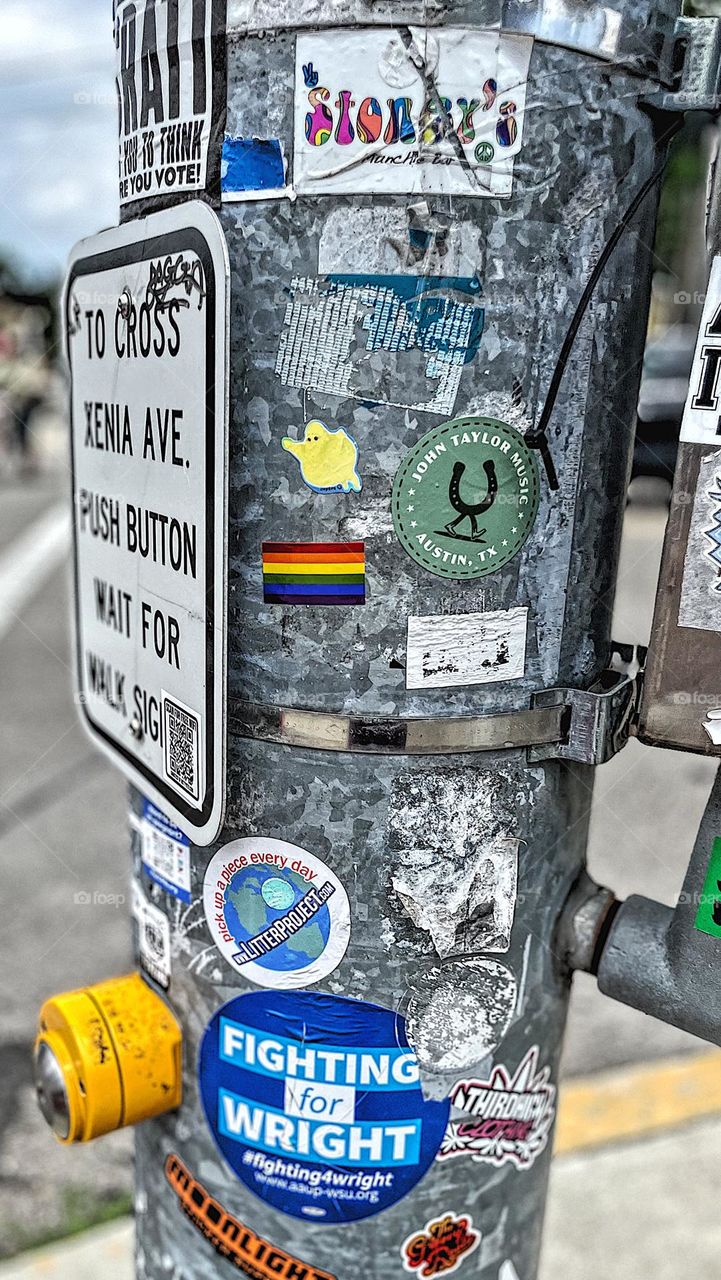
column 450, row 650
column 165, row 96
column 702, row 415
column 164, row 852
column 364, row 120
column 145, row 313
column 153, row 937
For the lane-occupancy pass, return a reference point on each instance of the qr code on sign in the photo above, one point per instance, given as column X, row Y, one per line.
column 181, row 746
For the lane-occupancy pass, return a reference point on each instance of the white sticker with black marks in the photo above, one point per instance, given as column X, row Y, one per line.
column 153, row 937
column 451, row 650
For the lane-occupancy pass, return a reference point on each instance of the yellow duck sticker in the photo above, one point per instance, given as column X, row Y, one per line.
column 327, row 459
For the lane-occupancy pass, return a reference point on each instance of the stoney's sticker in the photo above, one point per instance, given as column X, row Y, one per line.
column 441, row 1246
column 276, row 912
column 465, row 497
column 230, row 1237
column 512, row 1115
column 315, row 1102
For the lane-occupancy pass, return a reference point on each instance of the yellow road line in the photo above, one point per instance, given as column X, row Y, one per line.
column 636, row 1101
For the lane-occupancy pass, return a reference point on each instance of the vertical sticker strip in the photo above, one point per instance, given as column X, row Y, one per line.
column 452, row 650
column 708, row 914
column 165, row 852
column 700, row 603
column 314, row 573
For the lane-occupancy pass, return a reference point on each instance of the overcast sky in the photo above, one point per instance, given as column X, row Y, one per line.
column 58, row 138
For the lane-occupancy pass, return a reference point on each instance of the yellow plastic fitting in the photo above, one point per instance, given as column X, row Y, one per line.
column 106, row 1056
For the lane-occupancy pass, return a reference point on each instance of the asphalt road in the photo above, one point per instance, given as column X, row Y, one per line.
column 64, row 848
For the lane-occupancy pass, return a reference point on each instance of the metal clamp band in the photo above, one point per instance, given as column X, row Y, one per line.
column 584, row 725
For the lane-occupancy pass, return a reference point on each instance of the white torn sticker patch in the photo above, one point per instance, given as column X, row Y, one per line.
column 507, row 1271
column 153, row 937
column 450, row 650
column 712, row 725
column 475, row 905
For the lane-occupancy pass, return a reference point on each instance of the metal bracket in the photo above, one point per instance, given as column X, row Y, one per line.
column 602, row 718
column 585, row 725
column 697, row 60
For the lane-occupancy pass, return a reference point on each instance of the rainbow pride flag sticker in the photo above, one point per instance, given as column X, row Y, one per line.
column 314, row 573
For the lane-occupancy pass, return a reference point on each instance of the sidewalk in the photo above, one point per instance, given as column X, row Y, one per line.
column 634, row 1194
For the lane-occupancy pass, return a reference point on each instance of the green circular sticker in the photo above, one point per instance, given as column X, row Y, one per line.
column 465, row 497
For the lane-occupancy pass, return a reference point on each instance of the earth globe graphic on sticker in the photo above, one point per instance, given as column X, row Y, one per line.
column 256, row 897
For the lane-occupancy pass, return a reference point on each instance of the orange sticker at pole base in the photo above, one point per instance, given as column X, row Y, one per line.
column 231, row 1238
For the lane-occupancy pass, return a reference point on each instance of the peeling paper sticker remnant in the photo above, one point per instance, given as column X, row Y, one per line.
column 315, row 1102
column 507, row 1271
column 441, row 1246
column 454, row 865
column 701, row 423
column 708, row 915
column 153, row 937
column 369, row 336
column 276, row 913
column 231, row 1238
column 459, row 1012
column 700, row 603
column 164, row 852
column 252, row 169
column 511, row 1114
column 447, row 651
column 366, row 122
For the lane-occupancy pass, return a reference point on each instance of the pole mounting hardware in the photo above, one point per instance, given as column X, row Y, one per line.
column 585, row 725
column 697, row 63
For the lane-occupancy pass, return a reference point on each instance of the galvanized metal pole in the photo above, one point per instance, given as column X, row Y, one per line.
column 437, row 853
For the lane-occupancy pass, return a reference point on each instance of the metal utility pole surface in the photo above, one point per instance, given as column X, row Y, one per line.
column 438, row 226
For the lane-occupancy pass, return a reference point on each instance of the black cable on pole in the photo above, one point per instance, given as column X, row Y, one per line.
column 537, row 437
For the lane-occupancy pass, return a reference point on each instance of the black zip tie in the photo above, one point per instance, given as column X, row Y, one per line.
column 537, row 437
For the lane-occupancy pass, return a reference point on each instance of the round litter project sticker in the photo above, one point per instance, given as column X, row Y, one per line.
column 276, row 913
column 315, row 1102
column 465, row 497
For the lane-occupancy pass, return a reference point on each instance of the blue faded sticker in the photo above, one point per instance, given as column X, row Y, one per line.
column 251, row 164
column 165, row 852
column 348, row 335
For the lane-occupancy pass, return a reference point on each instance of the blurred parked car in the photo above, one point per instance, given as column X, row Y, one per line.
column 664, row 384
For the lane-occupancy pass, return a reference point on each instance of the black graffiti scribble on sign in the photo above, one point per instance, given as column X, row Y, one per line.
column 74, row 321
column 169, row 274
column 466, row 510
column 716, row 908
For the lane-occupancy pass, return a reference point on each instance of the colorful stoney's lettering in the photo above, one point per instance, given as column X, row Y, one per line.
column 314, row 573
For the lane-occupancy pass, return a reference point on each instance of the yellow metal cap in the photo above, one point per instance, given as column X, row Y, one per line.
column 106, row 1056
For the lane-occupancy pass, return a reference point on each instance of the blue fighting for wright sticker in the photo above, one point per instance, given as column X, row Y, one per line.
column 315, row 1102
